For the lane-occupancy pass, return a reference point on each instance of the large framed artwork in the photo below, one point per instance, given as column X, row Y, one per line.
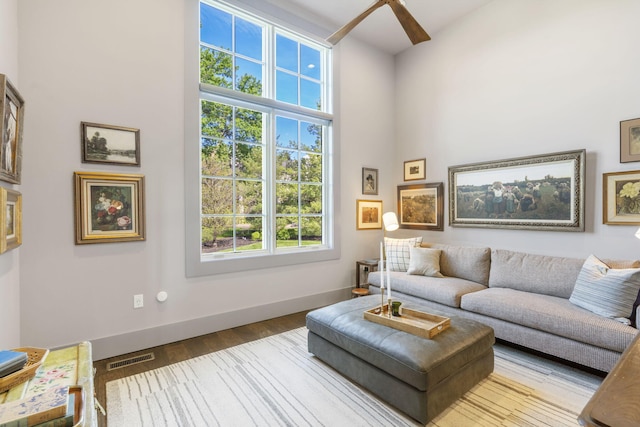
column 544, row 192
column 11, row 123
column 420, row 206
column 114, row 145
column 109, row 207
column 10, row 219
column 621, row 198
column 630, row 141
column 368, row 214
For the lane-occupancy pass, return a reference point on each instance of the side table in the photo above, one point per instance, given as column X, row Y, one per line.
column 363, row 268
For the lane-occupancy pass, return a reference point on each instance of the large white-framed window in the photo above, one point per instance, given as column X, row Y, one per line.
column 260, row 174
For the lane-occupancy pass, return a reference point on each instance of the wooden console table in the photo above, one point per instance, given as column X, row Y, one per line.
column 615, row 403
column 71, row 366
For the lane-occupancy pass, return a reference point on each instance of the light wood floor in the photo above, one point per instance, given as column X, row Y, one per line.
column 187, row 349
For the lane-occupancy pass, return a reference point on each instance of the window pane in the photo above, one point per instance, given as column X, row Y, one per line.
column 286, row 88
column 213, row 230
column 217, row 157
column 311, row 199
column 248, row 125
column 215, row 27
column 249, row 197
column 311, row 137
column 310, row 94
column 248, row 161
column 311, row 168
column 248, row 39
column 217, row 196
column 249, row 235
column 216, row 119
column 311, row 231
column 310, row 62
column 286, row 232
column 286, row 53
column 216, row 68
column 287, row 198
column 286, row 132
column 248, row 77
column 286, row 165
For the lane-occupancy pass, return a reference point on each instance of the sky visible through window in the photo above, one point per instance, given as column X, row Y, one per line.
column 297, row 66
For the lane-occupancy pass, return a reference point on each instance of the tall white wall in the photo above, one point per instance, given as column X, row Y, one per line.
column 121, row 62
column 9, row 261
column 519, row 78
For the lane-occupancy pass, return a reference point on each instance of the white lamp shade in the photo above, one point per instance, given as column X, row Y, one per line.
column 390, row 221
column 637, row 232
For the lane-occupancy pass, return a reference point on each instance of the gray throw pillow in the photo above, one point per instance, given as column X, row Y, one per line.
column 424, row 262
column 606, row 291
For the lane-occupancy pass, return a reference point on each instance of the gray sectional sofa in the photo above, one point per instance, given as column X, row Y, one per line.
column 524, row 297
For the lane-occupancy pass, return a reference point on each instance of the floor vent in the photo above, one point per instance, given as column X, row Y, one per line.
column 130, row 361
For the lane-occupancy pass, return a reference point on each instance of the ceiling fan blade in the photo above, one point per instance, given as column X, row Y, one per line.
column 338, row 35
column 416, row 33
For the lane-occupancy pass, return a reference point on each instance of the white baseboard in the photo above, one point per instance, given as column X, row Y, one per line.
column 115, row 345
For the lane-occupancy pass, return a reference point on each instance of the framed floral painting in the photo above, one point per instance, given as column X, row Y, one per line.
column 621, row 198
column 109, row 207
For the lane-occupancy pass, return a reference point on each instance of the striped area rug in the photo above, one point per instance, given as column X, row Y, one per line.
column 276, row 382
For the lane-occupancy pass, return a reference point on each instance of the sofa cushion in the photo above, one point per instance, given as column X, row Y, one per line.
column 550, row 314
column 397, row 252
column 542, row 274
column 466, row 262
column 443, row 290
column 606, row 291
column 424, row 262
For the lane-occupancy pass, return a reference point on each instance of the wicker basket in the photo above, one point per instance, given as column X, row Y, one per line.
column 35, row 357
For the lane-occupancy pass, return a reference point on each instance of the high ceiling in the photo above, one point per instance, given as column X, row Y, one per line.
column 381, row 29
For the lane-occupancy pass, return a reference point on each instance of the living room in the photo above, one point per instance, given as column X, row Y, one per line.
column 510, row 79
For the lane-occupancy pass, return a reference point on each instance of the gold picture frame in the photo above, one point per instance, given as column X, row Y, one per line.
column 621, row 198
column 11, row 124
column 109, row 207
column 10, row 219
column 115, row 145
column 368, row 214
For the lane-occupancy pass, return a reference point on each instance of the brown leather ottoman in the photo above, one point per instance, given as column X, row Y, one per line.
column 421, row 377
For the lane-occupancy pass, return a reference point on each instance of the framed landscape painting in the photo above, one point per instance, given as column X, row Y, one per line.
column 114, row 145
column 543, row 192
column 10, row 219
column 109, row 207
column 420, row 206
column 415, row 170
column 368, row 215
column 630, row 141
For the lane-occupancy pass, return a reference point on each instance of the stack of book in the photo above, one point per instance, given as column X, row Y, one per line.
column 11, row 361
column 54, row 407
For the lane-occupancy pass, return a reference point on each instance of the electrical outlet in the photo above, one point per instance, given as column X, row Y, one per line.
column 138, row 301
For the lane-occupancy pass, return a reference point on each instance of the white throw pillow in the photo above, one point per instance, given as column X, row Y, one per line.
column 424, row 262
column 397, row 252
column 606, row 291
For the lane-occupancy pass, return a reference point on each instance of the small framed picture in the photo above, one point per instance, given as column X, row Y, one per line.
column 415, row 169
column 369, row 214
column 630, row 141
column 109, row 207
column 114, row 145
column 621, row 198
column 10, row 219
column 370, row 181
column 11, row 123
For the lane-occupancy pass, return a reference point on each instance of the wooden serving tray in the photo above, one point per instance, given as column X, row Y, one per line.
column 415, row 322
